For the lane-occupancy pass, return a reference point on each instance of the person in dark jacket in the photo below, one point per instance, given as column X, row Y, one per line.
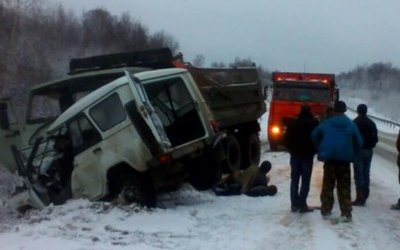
column 338, row 141
column 302, row 151
column 397, row 205
column 362, row 164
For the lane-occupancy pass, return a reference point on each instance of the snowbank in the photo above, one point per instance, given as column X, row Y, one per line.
column 8, row 183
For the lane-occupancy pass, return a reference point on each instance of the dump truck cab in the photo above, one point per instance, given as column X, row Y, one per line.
column 292, row 90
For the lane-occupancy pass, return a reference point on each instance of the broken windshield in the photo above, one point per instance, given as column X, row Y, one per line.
column 47, row 107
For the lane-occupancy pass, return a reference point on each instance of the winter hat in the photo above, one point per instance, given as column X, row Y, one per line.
column 340, row 107
column 362, row 109
column 265, row 166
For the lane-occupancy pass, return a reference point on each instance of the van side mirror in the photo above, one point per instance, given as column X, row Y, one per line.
column 4, row 121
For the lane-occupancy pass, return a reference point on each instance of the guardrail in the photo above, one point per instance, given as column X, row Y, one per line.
column 379, row 120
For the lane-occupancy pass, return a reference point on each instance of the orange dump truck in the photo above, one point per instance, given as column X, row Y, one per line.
column 292, row 90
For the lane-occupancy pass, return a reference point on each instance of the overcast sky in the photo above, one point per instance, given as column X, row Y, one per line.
column 329, row 36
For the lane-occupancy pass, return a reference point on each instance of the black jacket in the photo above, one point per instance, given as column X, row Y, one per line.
column 298, row 136
column 368, row 131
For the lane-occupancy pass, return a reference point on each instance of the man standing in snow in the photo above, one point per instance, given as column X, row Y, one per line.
column 397, row 205
column 362, row 164
column 302, row 151
column 338, row 141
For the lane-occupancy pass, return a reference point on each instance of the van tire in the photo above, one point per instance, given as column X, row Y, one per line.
column 251, row 150
column 138, row 188
column 232, row 154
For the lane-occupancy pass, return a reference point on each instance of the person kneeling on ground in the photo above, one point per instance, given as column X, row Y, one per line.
column 252, row 181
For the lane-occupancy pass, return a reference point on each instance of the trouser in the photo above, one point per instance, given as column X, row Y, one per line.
column 336, row 174
column 301, row 169
column 398, row 164
column 362, row 166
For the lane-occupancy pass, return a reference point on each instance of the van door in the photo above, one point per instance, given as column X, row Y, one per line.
column 86, row 180
column 145, row 107
column 177, row 110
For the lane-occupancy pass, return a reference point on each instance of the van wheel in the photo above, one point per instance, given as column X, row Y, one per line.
column 232, row 154
column 137, row 188
column 250, row 149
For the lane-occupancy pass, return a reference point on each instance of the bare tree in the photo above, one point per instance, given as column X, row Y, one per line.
column 162, row 39
column 199, row 61
column 37, row 41
column 239, row 62
column 218, row 65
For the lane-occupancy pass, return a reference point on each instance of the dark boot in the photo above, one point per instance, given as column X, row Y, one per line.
column 396, row 206
column 305, row 209
column 366, row 194
column 360, row 197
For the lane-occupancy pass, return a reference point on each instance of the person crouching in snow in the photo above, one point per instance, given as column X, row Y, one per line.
column 252, row 181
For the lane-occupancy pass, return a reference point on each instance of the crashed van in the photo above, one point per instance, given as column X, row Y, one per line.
column 21, row 124
column 145, row 133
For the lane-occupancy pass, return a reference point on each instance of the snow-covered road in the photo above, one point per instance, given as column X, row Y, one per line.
column 188, row 219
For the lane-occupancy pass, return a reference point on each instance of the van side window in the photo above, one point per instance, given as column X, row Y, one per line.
column 83, row 134
column 108, row 112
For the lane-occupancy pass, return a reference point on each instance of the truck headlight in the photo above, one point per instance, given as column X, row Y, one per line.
column 276, row 130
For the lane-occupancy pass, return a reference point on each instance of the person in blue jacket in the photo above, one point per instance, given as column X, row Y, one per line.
column 338, row 141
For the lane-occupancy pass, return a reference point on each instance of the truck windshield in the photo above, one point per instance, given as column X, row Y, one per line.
column 318, row 94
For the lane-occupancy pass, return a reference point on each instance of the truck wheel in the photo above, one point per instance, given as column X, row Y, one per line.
column 250, row 146
column 205, row 172
column 137, row 188
column 232, row 154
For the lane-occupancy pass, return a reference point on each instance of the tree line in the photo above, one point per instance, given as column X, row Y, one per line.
column 376, row 76
column 376, row 84
column 37, row 42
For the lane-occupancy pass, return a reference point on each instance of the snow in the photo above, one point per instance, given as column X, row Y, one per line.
column 189, row 219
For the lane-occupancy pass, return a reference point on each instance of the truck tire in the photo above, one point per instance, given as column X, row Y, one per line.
column 138, row 188
column 251, row 150
column 232, row 154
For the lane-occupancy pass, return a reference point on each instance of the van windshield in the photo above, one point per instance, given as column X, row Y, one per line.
column 48, row 101
column 47, row 107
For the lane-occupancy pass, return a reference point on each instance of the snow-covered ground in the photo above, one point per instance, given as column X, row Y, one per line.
column 189, row 219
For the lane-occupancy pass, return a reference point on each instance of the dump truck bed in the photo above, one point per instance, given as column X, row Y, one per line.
column 234, row 95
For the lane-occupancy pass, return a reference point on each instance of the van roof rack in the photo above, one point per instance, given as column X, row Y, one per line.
column 153, row 58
